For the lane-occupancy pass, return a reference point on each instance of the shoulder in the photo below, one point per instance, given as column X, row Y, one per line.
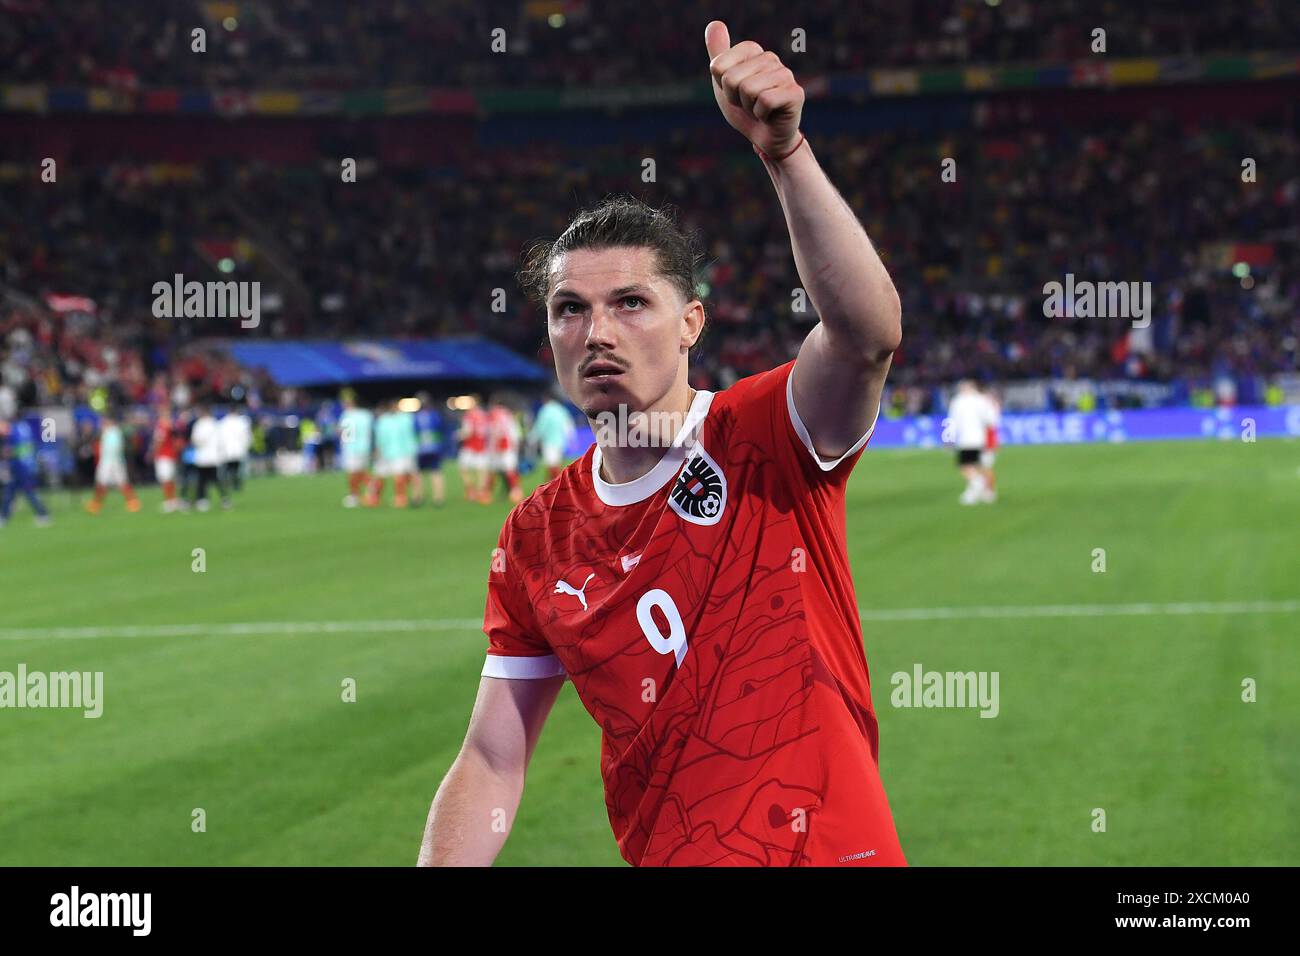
column 563, row 498
column 754, row 389
column 760, row 413
column 755, row 404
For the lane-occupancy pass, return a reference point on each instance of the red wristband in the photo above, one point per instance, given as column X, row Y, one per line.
column 778, row 159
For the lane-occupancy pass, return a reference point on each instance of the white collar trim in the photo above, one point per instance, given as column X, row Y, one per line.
column 639, row 489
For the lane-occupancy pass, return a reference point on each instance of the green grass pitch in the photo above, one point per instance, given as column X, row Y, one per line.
column 1140, row 715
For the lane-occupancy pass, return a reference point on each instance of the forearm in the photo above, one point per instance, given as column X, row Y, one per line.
column 471, row 815
column 840, row 270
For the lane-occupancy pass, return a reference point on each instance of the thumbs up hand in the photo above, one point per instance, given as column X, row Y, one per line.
column 757, row 94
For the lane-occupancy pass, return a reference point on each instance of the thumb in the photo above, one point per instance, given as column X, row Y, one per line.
column 716, row 38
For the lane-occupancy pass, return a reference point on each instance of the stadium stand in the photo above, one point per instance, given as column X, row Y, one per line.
column 333, row 44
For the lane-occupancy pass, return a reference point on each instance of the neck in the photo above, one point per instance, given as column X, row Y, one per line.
column 623, row 460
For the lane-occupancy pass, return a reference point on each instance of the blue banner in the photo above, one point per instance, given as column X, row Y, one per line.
column 1065, row 428
column 375, row 360
column 1148, row 424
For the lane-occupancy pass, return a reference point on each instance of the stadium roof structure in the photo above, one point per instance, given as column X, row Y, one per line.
column 302, row 363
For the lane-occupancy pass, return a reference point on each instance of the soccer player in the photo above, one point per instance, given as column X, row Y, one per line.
column 504, row 437
column 84, row 455
column 990, row 453
column 429, row 427
column 189, row 471
column 18, row 470
column 356, row 427
column 472, row 458
column 383, row 449
column 396, row 445
column 110, row 469
column 164, row 450
column 205, row 436
column 970, row 415
column 552, row 430
column 236, row 440
column 696, row 592
column 312, row 441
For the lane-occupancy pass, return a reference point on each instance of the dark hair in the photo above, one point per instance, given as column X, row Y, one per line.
column 618, row 221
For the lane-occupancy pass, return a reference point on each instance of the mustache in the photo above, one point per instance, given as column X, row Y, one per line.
column 612, row 360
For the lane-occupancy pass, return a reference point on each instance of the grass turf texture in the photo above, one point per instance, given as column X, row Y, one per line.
column 1140, row 716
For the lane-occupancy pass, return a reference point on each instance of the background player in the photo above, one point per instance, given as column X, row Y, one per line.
column 110, row 469
column 504, row 438
column 18, row 469
column 990, row 453
column 164, row 449
column 189, row 470
column 83, row 451
column 552, row 430
column 429, row 428
column 970, row 415
column 385, row 452
column 472, row 458
column 205, row 437
column 236, row 441
column 396, row 446
column 356, row 433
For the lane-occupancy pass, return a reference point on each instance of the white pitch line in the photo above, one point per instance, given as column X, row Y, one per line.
column 1081, row 610
column 236, row 630
column 475, row 624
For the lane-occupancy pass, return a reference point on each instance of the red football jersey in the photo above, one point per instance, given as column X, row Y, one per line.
column 164, row 441
column 706, row 615
column 504, row 430
column 475, row 430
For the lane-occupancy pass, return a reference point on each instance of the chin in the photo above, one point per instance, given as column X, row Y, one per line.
column 608, row 397
column 594, row 406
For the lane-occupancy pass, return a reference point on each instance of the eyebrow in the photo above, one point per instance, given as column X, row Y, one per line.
column 566, row 294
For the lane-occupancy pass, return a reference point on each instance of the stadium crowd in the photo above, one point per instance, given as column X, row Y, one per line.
column 415, row 252
column 338, row 45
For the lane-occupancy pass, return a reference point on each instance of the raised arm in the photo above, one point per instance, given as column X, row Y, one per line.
column 474, row 808
column 842, row 364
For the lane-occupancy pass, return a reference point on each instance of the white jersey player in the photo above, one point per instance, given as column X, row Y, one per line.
column 970, row 416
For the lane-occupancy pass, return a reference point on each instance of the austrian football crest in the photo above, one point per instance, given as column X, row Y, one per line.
column 700, row 492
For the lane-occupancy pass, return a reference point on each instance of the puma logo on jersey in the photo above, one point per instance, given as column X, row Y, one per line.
column 564, row 587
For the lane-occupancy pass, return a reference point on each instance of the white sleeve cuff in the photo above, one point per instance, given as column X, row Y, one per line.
column 802, row 431
column 522, row 668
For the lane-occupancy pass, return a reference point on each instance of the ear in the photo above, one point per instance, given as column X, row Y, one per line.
column 692, row 324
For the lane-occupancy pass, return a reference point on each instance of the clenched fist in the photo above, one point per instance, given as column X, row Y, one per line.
column 756, row 92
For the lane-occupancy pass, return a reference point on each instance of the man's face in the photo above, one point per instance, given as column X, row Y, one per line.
column 619, row 330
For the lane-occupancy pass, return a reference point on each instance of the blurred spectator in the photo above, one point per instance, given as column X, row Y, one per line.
column 341, row 45
column 419, row 253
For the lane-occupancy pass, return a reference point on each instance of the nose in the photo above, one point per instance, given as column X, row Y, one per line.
column 600, row 334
